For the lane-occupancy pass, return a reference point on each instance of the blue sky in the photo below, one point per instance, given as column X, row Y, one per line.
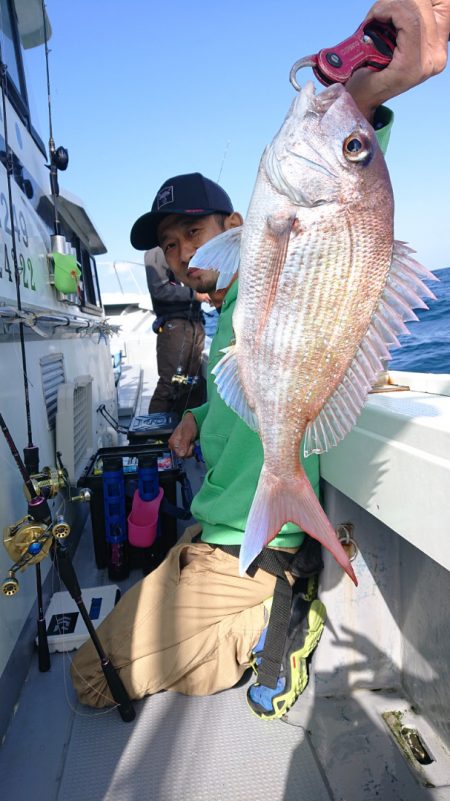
column 143, row 90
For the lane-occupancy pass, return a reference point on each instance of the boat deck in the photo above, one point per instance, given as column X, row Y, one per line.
column 181, row 748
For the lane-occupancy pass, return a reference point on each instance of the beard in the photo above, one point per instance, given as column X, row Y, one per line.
column 202, row 281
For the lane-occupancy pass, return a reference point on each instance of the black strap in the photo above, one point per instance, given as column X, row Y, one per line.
column 272, row 656
column 270, row 560
column 276, row 563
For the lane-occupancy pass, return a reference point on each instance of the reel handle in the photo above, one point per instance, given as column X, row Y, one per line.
column 10, row 585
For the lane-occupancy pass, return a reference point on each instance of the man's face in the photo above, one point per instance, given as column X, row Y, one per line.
column 179, row 237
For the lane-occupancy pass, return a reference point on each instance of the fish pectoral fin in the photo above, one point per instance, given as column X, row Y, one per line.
column 222, row 253
column 278, row 229
column 230, row 388
column 400, row 296
column 278, row 501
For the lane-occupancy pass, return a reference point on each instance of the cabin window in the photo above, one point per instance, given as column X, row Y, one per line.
column 9, row 49
column 91, row 290
column 90, row 298
column 14, row 57
column 33, row 60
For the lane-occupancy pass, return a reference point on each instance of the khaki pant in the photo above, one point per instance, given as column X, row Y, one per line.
column 189, row 626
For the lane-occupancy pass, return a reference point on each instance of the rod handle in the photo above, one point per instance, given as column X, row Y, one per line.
column 43, row 651
column 126, row 709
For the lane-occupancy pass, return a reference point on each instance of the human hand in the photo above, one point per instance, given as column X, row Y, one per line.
column 182, row 439
column 202, row 297
column 217, row 297
column 423, row 28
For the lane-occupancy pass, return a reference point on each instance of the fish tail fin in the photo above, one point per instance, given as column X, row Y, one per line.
column 278, row 501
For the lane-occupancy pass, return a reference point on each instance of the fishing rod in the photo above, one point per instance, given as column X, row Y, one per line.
column 29, row 541
column 225, row 154
column 59, row 157
column 28, row 483
column 31, row 452
column 113, row 680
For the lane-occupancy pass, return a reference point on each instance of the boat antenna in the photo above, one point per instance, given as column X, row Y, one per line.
column 225, row 154
column 59, row 156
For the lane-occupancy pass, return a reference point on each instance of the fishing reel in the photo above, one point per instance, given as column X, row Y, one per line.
column 59, row 160
column 29, row 540
column 179, row 378
column 48, row 482
column 51, row 480
column 27, row 543
column 60, row 157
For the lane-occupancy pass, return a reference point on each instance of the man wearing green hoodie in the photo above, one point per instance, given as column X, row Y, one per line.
column 190, row 626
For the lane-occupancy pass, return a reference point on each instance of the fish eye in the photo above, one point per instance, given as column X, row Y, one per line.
column 357, row 147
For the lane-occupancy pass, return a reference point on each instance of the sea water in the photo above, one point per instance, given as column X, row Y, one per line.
column 427, row 348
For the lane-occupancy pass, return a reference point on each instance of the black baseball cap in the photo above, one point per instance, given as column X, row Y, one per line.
column 184, row 194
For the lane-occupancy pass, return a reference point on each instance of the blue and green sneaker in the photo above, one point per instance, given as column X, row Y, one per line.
column 304, row 632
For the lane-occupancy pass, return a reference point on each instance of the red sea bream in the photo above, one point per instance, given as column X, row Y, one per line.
column 323, row 292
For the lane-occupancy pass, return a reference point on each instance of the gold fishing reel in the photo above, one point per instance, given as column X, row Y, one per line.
column 27, row 543
column 178, row 378
column 48, row 482
column 27, row 537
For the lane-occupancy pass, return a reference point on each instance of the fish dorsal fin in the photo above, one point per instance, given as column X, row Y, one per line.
column 221, row 253
column 401, row 294
column 230, row 389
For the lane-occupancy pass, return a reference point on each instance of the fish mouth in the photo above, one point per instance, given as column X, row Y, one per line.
column 322, row 102
column 307, row 101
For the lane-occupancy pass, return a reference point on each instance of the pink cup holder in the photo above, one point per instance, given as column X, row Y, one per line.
column 143, row 520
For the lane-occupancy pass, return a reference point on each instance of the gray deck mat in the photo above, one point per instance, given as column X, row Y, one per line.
column 199, row 749
column 189, row 749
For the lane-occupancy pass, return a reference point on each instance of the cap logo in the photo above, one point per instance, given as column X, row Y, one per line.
column 164, row 197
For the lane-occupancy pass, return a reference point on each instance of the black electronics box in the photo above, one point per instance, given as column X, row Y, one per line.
column 157, row 427
column 169, row 472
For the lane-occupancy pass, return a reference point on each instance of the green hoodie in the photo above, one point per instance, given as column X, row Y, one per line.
column 232, row 452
